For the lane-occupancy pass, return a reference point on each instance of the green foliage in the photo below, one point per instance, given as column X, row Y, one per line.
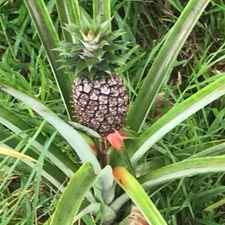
column 164, row 62
column 186, row 168
column 138, row 195
column 72, row 136
column 177, row 114
column 50, row 40
column 168, row 148
column 77, row 188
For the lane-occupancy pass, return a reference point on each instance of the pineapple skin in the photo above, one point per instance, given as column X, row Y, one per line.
column 100, row 104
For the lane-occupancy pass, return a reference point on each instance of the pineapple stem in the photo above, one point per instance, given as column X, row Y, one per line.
column 102, row 155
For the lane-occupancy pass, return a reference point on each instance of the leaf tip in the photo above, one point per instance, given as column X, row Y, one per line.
column 120, row 174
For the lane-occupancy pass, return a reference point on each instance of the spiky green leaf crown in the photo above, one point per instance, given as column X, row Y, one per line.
column 95, row 50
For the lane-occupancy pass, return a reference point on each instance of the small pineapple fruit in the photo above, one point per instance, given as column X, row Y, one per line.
column 100, row 104
column 99, row 96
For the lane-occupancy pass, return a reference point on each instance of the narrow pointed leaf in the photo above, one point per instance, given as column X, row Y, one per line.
column 74, row 13
column 73, row 195
column 218, row 149
column 107, row 9
column 13, row 153
column 177, row 115
column 138, row 196
column 69, row 13
column 164, row 62
column 50, row 40
column 102, row 8
column 186, row 168
column 76, row 141
column 64, row 17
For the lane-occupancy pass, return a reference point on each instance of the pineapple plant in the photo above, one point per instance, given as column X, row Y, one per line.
column 93, row 57
column 99, row 97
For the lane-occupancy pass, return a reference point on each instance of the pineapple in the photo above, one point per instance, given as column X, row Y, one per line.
column 136, row 217
column 100, row 104
column 99, row 96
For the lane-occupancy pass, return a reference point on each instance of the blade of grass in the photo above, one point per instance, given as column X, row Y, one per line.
column 186, row 168
column 138, row 196
column 164, row 63
column 74, row 11
column 102, row 8
column 45, row 173
column 211, row 151
column 63, row 16
column 19, row 126
column 215, row 205
column 69, row 13
column 106, row 10
column 76, row 141
column 178, row 114
column 50, row 40
column 39, row 171
column 25, row 146
column 15, row 154
column 73, row 195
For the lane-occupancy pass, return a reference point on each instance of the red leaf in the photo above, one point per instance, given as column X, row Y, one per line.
column 116, row 139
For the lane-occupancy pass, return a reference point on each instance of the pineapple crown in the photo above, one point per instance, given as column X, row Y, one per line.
column 95, row 49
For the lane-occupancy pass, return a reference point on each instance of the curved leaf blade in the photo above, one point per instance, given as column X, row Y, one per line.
column 13, row 153
column 49, row 37
column 73, row 195
column 164, row 62
column 138, row 195
column 76, row 141
column 215, row 150
column 186, row 168
column 178, row 114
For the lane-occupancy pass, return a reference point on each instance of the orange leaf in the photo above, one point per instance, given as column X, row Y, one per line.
column 119, row 174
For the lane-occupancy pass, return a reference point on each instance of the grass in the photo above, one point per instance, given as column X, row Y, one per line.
column 27, row 198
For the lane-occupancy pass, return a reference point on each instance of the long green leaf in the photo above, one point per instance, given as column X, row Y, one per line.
column 107, row 9
column 187, row 168
column 178, row 114
column 211, row 151
column 69, row 13
column 74, row 13
column 215, row 205
column 164, row 62
column 64, row 17
column 76, row 141
column 138, row 195
column 73, row 195
column 50, row 40
column 182, row 169
column 102, row 8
